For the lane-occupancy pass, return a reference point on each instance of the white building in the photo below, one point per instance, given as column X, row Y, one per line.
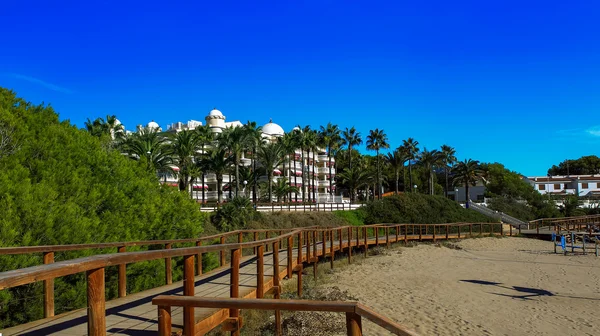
column 580, row 185
column 316, row 170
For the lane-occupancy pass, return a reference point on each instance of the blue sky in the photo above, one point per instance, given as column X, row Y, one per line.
column 516, row 82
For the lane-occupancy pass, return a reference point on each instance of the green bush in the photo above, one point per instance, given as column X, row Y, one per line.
column 419, row 209
column 353, row 217
column 512, row 207
column 60, row 185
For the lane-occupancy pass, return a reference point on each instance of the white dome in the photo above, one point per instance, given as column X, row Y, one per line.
column 152, row 124
column 272, row 129
column 215, row 113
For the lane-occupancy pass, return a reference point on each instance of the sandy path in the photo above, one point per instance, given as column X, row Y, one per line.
column 508, row 286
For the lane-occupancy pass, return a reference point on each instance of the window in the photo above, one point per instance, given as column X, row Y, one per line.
column 556, row 186
column 542, row 187
column 584, row 186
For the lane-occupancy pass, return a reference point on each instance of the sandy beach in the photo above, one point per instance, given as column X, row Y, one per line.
column 490, row 286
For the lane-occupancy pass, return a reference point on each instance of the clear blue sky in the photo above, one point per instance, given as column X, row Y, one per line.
column 516, row 82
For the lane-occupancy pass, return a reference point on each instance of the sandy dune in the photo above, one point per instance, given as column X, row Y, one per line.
column 493, row 286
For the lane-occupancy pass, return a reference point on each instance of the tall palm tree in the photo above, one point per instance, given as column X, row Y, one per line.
column 235, row 139
column 205, row 137
column 355, row 178
column 429, row 160
column 411, row 147
column 185, row 145
column 351, row 138
column 255, row 141
column 216, row 160
column 297, row 143
column 270, row 156
column 312, row 143
column 467, row 172
column 448, row 155
column 288, row 145
column 396, row 161
column 152, row 147
column 330, row 136
column 377, row 140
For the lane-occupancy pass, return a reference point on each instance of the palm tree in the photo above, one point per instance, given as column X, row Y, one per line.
column 218, row 161
column 111, row 126
column 288, row 143
column 184, row 146
column 235, row 139
column 448, row 155
column 283, row 189
column 150, row 146
column 396, row 161
column 330, row 136
column 351, row 138
column 312, row 143
column 205, row 136
column 377, row 140
column 410, row 146
column 468, row 173
column 255, row 141
column 270, row 156
column 355, row 178
column 297, row 143
column 429, row 159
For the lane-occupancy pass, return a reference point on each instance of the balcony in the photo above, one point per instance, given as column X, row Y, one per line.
column 324, row 183
column 325, row 158
column 325, row 170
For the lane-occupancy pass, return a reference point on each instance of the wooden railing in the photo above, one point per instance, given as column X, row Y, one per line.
column 354, row 312
column 305, row 240
column 565, row 223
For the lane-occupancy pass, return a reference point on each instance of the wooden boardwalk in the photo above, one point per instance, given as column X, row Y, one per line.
column 134, row 314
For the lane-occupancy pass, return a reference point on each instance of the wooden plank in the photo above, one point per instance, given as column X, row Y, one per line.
column 199, row 260
column 122, row 275
column 265, row 304
column 383, row 321
column 260, row 279
column 168, row 268
column 164, row 320
column 235, row 285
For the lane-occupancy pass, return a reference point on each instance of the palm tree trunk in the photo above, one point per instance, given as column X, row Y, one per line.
column 378, row 178
column 410, row 187
column 446, row 173
column 230, row 185
column 467, row 195
column 219, row 190
column 254, row 173
column 313, row 178
column 309, row 177
column 349, row 157
column 330, row 181
column 295, row 177
column 270, row 177
column 397, row 179
column 237, row 174
column 303, row 177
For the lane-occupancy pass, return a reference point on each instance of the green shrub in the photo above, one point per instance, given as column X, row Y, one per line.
column 418, row 208
column 353, row 217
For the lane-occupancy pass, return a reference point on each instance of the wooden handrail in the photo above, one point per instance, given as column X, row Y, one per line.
column 271, row 304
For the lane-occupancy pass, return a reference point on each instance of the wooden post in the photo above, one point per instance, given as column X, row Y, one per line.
column 168, row 268
column 510, row 228
column 349, row 244
column 447, row 230
column 340, row 238
column 365, row 236
column 164, row 321
column 290, row 246
column 188, row 290
column 49, row 288
column 353, row 324
column 241, row 239
column 267, row 237
column 300, row 246
column 470, row 230
column 260, row 274
column 397, row 233
column 255, row 239
column 95, row 302
column 459, row 227
column 357, row 237
column 234, row 290
column 307, row 246
column 331, row 252
column 420, row 232
column 122, row 275
column 222, row 260
column 434, row 233
column 405, row 234
column 387, row 236
column 315, row 256
column 277, row 285
column 324, row 235
column 377, row 236
column 199, row 260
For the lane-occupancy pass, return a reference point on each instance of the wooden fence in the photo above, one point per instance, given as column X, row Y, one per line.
column 313, row 241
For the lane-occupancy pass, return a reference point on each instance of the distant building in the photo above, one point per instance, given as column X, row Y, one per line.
column 579, row 185
column 317, row 169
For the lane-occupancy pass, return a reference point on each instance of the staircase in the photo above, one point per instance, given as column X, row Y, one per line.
column 516, row 223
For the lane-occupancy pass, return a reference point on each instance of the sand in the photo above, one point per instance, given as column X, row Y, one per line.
column 493, row 286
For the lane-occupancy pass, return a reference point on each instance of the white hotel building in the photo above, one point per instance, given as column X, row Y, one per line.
column 580, row 185
column 317, row 169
